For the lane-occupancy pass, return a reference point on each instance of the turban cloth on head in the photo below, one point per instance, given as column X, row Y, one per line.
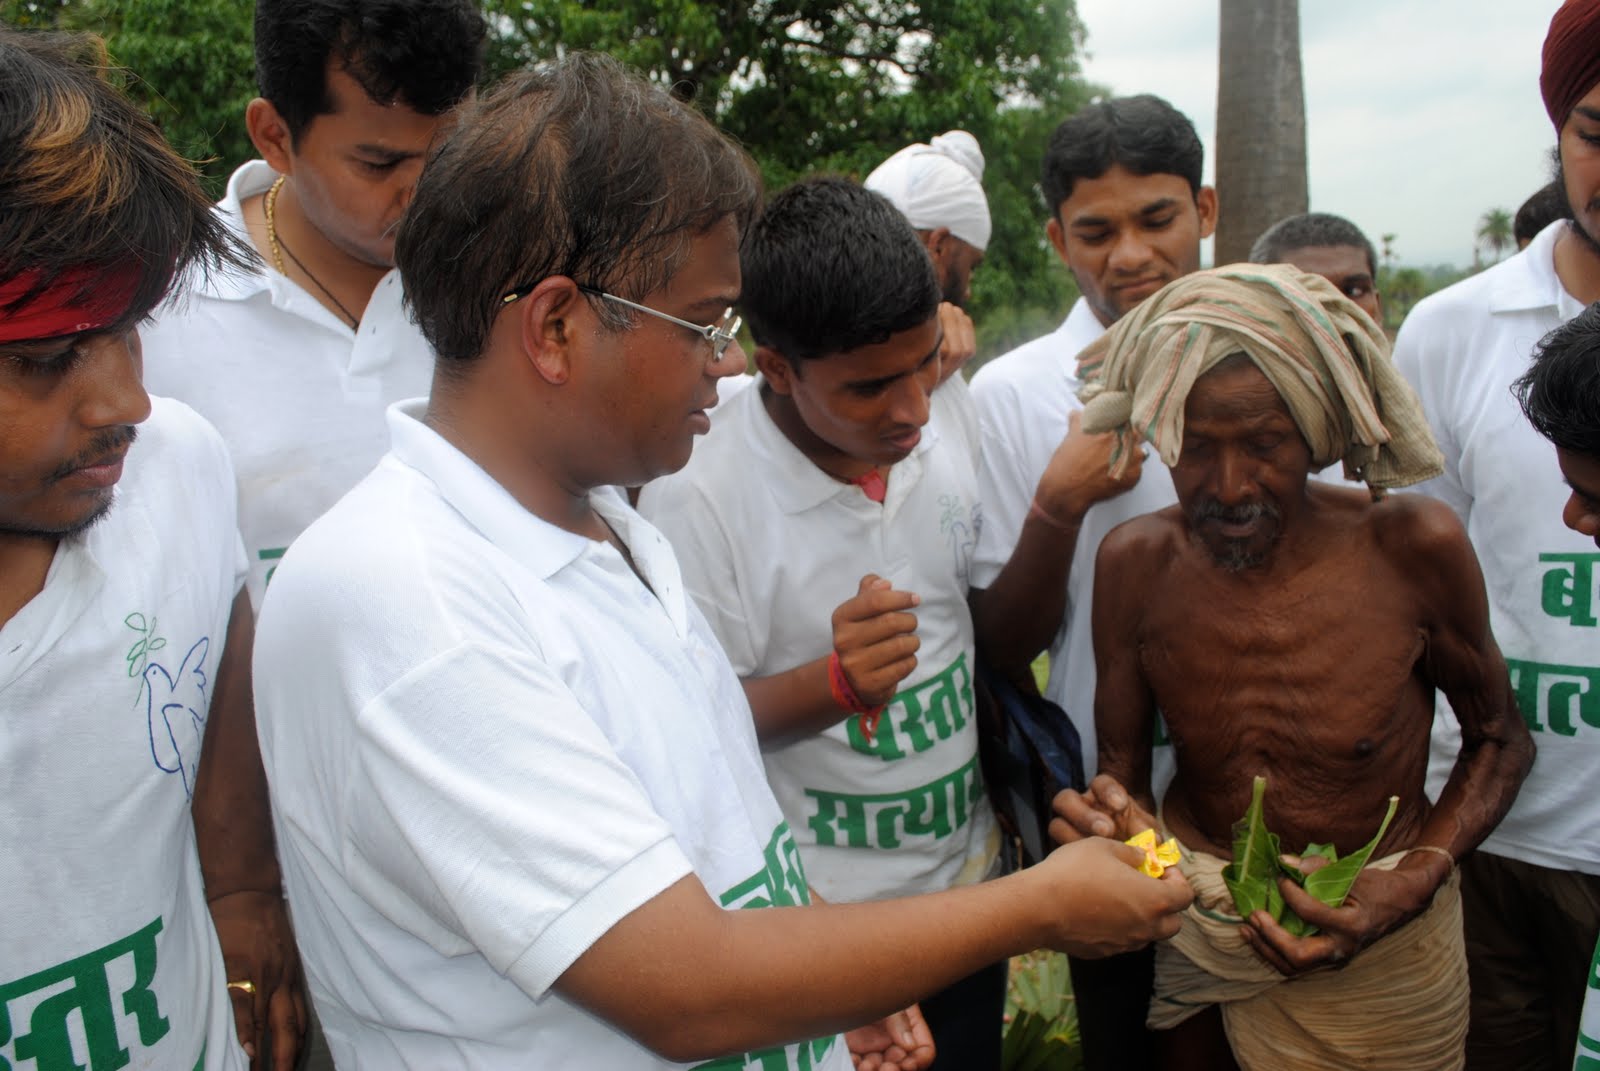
column 1571, row 60
column 1326, row 357
column 938, row 185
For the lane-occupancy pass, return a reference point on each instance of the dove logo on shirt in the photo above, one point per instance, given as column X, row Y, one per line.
column 174, row 697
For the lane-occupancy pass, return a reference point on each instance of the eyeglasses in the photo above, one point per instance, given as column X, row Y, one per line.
column 720, row 334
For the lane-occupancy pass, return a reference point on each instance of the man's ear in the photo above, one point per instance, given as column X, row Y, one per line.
column 776, row 369
column 1205, row 203
column 937, row 242
column 1057, row 236
column 547, row 319
column 269, row 133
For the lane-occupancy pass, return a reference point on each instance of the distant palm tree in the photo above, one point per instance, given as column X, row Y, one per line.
column 1261, row 122
column 1495, row 231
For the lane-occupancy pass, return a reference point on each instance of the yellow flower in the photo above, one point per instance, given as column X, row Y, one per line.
column 1157, row 857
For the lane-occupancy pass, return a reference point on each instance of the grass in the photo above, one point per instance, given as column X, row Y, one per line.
column 1041, row 1016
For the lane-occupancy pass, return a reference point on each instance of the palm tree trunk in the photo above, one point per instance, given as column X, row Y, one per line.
column 1261, row 122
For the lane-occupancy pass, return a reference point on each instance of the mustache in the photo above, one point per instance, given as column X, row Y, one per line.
column 104, row 444
column 1211, row 510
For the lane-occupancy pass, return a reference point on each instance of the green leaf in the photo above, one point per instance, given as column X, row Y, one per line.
column 1332, row 883
column 1252, row 876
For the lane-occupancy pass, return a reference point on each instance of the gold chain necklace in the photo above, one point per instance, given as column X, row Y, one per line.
column 279, row 247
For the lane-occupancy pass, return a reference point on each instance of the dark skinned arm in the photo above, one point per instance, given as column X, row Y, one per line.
column 1119, row 802
column 874, row 632
column 692, row 981
column 1017, row 616
column 244, row 889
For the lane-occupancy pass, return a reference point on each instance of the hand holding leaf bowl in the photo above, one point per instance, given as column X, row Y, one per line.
column 1258, row 863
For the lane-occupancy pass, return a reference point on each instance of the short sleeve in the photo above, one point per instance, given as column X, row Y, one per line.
column 1422, row 354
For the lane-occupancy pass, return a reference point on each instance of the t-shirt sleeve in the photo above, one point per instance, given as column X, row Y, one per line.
column 488, row 810
column 1422, row 353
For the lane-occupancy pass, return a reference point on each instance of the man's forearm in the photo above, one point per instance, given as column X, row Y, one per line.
column 793, row 704
column 1482, row 787
column 1017, row 617
column 715, row 982
column 232, row 815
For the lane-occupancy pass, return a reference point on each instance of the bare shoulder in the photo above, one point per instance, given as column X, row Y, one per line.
column 1425, row 544
column 1138, row 546
column 1418, row 530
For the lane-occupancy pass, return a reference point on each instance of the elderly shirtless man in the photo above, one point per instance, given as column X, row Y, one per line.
column 1297, row 631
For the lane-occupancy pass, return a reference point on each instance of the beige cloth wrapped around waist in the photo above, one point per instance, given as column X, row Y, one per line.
column 1401, row 1003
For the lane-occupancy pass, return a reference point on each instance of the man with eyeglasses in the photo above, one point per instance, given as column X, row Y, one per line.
column 520, row 801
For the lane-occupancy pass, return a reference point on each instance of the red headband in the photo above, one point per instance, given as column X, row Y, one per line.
column 77, row 300
column 1571, row 60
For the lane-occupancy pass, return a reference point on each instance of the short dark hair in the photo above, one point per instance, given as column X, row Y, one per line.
column 831, row 266
column 577, row 168
column 425, row 54
column 1311, row 230
column 1143, row 133
column 87, row 182
column 1560, row 391
column 1548, row 204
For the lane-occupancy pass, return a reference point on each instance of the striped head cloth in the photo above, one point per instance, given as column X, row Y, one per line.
column 1325, row 356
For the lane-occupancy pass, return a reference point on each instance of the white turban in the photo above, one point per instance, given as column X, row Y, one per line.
column 939, row 185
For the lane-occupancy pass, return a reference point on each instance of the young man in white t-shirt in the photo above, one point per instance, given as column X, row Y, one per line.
column 1560, row 395
column 134, row 798
column 295, row 359
column 516, row 782
column 826, row 529
column 1531, row 892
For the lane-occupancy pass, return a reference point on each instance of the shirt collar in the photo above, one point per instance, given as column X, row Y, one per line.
column 388, row 335
column 1078, row 330
column 487, row 506
column 253, row 178
column 1528, row 280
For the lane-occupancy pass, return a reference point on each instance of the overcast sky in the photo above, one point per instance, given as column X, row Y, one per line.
column 1420, row 115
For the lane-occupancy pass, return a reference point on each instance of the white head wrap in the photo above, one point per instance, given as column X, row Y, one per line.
column 939, row 185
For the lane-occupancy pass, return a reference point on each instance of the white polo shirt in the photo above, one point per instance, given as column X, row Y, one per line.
column 1461, row 349
column 109, row 956
column 297, row 395
column 1024, row 399
column 770, row 546
column 487, row 742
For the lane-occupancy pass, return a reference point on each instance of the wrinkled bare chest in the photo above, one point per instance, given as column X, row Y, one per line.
column 1302, row 666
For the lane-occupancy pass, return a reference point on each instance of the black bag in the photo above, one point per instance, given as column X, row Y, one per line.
column 1029, row 750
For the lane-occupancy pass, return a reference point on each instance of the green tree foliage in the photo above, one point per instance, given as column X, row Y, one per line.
column 193, row 66
column 811, row 86
column 806, row 85
column 1496, row 232
column 32, row 14
column 190, row 63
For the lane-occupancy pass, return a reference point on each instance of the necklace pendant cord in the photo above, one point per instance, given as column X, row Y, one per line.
column 279, row 248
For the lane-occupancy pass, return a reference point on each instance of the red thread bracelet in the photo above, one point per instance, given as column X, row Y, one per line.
column 845, row 697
